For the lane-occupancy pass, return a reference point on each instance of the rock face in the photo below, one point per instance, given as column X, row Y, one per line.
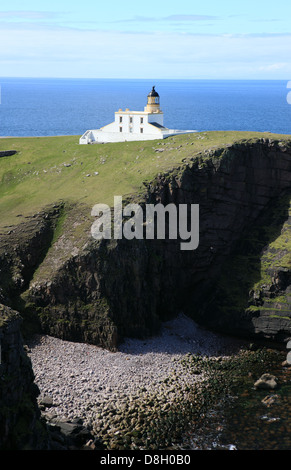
column 20, row 424
column 237, row 281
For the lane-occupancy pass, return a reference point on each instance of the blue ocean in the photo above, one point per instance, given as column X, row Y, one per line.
column 47, row 107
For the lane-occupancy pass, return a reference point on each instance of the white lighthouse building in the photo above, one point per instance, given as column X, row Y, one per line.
column 134, row 125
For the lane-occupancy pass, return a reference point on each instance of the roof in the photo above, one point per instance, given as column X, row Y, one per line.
column 153, row 92
column 157, row 125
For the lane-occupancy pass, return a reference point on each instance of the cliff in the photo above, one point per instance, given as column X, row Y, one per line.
column 237, row 281
column 20, row 423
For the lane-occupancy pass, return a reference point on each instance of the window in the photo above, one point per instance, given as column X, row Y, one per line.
column 120, row 129
column 130, row 120
column 141, row 130
column 120, row 118
column 141, row 120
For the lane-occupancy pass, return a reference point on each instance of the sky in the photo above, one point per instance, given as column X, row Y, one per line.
column 183, row 39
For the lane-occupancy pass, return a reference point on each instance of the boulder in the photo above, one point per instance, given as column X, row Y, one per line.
column 266, row 382
column 46, row 402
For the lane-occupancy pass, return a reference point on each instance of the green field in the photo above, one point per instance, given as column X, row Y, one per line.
column 46, row 170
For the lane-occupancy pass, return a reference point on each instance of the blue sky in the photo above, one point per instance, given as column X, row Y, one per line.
column 248, row 39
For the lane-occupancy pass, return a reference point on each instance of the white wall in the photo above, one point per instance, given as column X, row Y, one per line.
column 130, row 121
column 103, row 136
column 111, row 132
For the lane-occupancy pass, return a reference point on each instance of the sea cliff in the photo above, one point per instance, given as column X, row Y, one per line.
column 237, row 281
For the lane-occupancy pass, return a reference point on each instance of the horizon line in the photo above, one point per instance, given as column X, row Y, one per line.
column 131, row 78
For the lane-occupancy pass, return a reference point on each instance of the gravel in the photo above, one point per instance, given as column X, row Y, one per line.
column 84, row 381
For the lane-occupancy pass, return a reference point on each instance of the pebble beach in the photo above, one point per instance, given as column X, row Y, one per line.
column 85, row 381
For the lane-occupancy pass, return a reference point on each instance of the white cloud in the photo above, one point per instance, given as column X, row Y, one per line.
column 277, row 66
column 169, row 18
column 76, row 53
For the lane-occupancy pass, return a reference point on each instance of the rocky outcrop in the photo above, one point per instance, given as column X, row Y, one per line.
column 20, row 423
column 100, row 291
column 7, row 153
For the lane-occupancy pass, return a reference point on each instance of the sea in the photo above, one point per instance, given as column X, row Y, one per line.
column 51, row 107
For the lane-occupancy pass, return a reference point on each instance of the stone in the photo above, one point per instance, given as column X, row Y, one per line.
column 270, row 400
column 267, row 382
column 286, row 364
column 46, row 401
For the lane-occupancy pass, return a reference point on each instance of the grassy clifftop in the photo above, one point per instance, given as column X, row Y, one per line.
column 46, row 170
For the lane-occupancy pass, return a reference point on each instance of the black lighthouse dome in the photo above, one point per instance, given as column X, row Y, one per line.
column 153, row 93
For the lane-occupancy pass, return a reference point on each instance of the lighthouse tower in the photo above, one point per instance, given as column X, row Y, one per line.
column 153, row 104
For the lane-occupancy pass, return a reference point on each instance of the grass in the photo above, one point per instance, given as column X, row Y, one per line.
column 46, row 170
column 278, row 252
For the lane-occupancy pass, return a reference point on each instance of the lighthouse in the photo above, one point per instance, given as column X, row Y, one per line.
column 133, row 125
column 153, row 104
